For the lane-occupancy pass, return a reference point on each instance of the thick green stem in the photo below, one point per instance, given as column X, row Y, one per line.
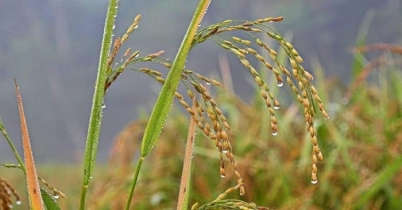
column 98, row 98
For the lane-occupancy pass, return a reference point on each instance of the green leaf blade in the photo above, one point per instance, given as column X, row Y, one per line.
column 50, row 203
column 165, row 98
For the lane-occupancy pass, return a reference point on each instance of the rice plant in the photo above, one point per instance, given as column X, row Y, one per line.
column 204, row 110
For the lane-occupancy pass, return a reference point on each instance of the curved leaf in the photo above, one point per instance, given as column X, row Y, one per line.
column 49, row 201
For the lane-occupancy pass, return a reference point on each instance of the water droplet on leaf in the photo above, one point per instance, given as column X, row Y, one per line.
column 314, row 181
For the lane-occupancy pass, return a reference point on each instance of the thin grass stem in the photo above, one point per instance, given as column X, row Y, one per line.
column 184, row 193
column 13, row 148
column 137, row 172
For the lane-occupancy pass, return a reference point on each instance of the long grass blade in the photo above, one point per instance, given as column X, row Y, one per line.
column 32, row 177
column 95, row 120
column 165, row 98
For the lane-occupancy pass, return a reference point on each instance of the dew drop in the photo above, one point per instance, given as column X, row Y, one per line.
column 280, row 84
column 242, row 191
column 274, row 133
column 157, row 198
column 224, row 151
column 90, row 177
column 277, row 107
column 103, row 106
column 136, row 26
column 18, row 202
column 114, row 26
column 344, row 101
column 207, row 83
column 326, row 118
column 222, row 175
column 314, row 181
column 56, row 196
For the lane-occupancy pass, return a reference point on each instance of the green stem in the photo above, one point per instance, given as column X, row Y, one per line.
column 165, row 98
column 98, row 98
column 16, row 154
column 137, row 172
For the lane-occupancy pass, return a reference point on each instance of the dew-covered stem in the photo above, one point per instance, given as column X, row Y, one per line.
column 98, row 97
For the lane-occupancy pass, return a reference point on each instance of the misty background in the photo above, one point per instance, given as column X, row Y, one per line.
column 52, row 48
